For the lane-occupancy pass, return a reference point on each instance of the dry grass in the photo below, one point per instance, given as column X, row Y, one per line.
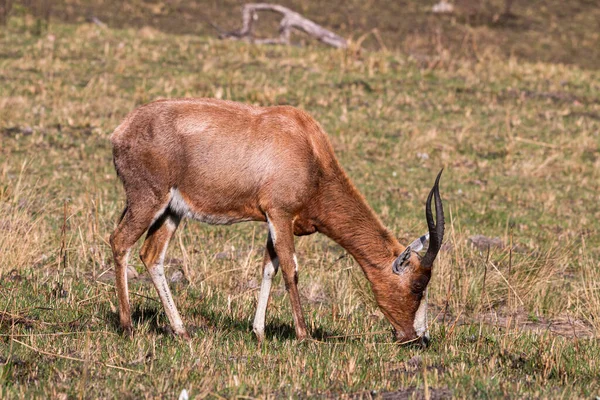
column 551, row 31
column 23, row 233
column 520, row 145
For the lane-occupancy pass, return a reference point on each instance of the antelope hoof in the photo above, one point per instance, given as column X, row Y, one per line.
column 425, row 340
column 260, row 336
column 411, row 339
column 182, row 333
column 127, row 331
column 185, row 336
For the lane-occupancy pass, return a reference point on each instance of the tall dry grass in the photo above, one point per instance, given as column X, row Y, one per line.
column 24, row 233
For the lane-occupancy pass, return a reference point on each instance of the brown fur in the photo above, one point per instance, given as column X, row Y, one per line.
column 235, row 162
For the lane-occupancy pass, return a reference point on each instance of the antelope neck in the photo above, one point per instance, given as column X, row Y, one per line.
column 346, row 218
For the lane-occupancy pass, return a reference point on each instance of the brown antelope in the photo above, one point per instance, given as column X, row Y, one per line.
column 223, row 162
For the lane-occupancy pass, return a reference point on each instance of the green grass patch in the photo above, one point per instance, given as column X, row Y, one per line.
column 519, row 141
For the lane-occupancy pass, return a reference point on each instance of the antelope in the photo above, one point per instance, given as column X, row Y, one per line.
column 223, row 162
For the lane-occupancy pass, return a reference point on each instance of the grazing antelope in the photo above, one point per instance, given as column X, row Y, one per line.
column 223, row 162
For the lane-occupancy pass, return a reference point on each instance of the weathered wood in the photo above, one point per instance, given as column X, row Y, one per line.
column 97, row 21
column 291, row 20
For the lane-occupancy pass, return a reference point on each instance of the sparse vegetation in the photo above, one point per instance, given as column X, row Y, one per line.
column 520, row 143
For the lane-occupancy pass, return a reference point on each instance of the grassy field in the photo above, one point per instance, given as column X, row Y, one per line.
column 520, row 143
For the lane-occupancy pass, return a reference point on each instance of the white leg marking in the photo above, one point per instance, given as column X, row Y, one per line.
column 263, row 298
column 124, row 261
column 157, row 273
column 420, row 323
column 271, row 229
column 295, row 263
column 178, row 204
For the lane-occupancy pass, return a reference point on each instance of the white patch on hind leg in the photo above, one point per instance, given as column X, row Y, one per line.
column 258, row 326
column 271, row 229
column 179, row 206
column 157, row 274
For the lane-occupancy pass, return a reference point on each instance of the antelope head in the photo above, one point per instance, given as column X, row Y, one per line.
column 401, row 286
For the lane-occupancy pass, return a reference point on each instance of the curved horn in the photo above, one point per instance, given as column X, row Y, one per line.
column 436, row 229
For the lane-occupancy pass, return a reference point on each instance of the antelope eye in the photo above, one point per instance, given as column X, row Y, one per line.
column 419, row 285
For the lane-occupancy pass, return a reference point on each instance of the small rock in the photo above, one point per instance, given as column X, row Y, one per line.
column 252, row 284
column 375, row 317
column 15, row 276
column 443, row 7
column 174, row 261
column 483, row 242
column 414, row 362
column 447, row 247
column 314, row 293
column 177, row 277
column 132, row 273
column 59, row 292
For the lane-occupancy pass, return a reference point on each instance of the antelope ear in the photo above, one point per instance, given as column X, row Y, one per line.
column 402, row 261
column 418, row 244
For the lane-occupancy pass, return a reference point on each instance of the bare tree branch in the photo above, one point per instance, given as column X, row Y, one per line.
column 291, row 20
column 95, row 20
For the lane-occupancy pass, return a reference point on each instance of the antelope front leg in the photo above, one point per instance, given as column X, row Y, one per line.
column 270, row 268
column 123, row 290
column 282, row 233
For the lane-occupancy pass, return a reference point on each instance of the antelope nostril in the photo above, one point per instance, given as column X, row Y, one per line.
column 404, row 340
column 398, row 337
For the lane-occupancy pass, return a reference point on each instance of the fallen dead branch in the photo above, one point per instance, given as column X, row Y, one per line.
column 291, row 20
